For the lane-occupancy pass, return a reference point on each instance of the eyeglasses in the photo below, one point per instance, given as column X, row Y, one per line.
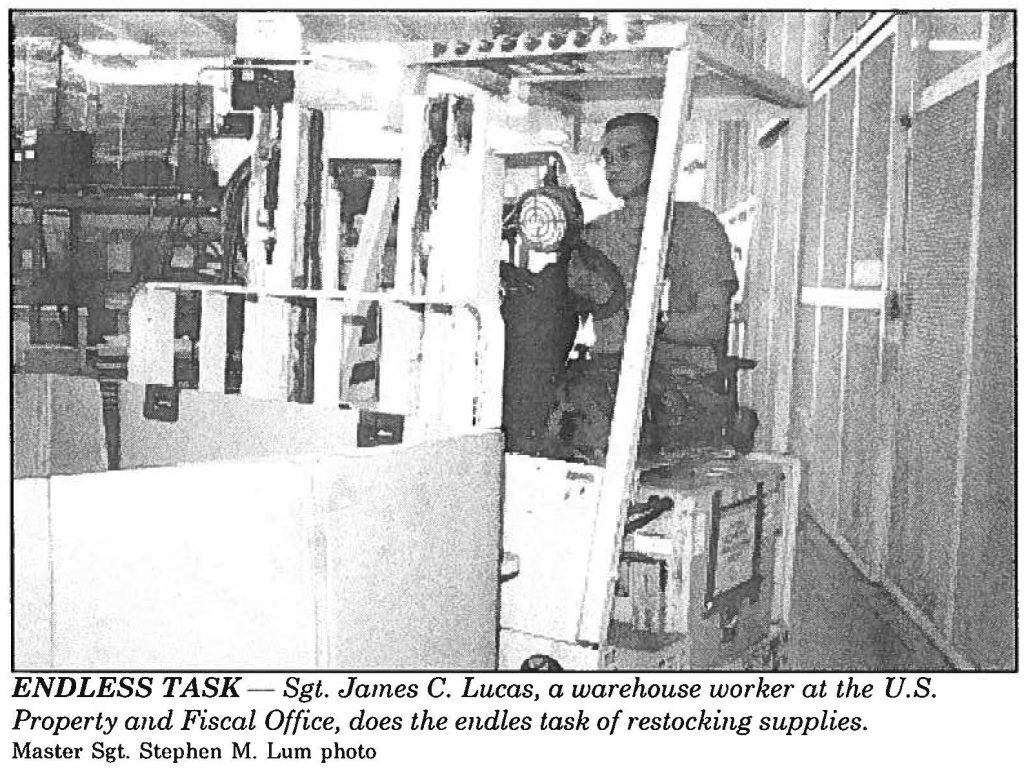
column 623, row 155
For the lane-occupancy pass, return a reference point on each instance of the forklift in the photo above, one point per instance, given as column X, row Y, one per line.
column 679, row 561
column 673, row 562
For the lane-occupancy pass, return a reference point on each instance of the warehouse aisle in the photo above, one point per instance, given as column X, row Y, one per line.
column 842, row 622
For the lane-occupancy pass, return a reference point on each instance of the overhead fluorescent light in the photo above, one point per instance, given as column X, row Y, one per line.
column 122, row 47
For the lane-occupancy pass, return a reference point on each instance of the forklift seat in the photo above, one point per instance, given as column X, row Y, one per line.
column 741, row 422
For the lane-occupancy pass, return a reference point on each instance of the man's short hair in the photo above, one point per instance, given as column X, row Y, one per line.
column 648, row 125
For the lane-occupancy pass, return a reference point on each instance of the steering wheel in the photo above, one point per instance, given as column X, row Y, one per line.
column 550, row 219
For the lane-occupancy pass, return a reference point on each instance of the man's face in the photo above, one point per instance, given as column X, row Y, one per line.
column 627, row 159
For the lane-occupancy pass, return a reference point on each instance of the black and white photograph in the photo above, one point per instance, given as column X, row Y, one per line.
column 513, row 341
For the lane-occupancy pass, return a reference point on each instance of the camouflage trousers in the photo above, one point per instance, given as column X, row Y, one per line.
column 683, row 409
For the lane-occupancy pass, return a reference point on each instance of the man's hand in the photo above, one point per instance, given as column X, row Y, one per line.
column 595, row 282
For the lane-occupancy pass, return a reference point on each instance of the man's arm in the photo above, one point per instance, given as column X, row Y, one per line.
column 595, row 282
column 704, row 324
column 700, row 260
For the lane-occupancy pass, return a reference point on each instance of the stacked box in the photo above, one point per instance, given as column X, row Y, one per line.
column 155, row 135
column 715, row 596
column 703, row 585
column 49, row 89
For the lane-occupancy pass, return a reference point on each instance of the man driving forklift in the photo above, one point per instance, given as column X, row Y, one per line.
column 686, row 403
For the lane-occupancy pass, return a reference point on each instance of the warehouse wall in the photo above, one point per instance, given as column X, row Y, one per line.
column 950, row 548
column 764, row 315
column 902, row 373
column 849, row 228
column 985, row 590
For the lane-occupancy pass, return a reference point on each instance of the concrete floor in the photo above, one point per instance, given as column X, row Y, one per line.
column 841, row 622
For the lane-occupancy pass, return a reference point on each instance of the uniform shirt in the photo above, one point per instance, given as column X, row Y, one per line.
column 699, row 255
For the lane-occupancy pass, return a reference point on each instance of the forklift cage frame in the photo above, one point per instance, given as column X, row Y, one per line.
column 549, row 65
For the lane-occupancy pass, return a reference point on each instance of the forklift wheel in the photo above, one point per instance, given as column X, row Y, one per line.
column 540, row 663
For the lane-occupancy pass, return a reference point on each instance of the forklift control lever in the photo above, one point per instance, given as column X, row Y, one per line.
column 640, row 514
